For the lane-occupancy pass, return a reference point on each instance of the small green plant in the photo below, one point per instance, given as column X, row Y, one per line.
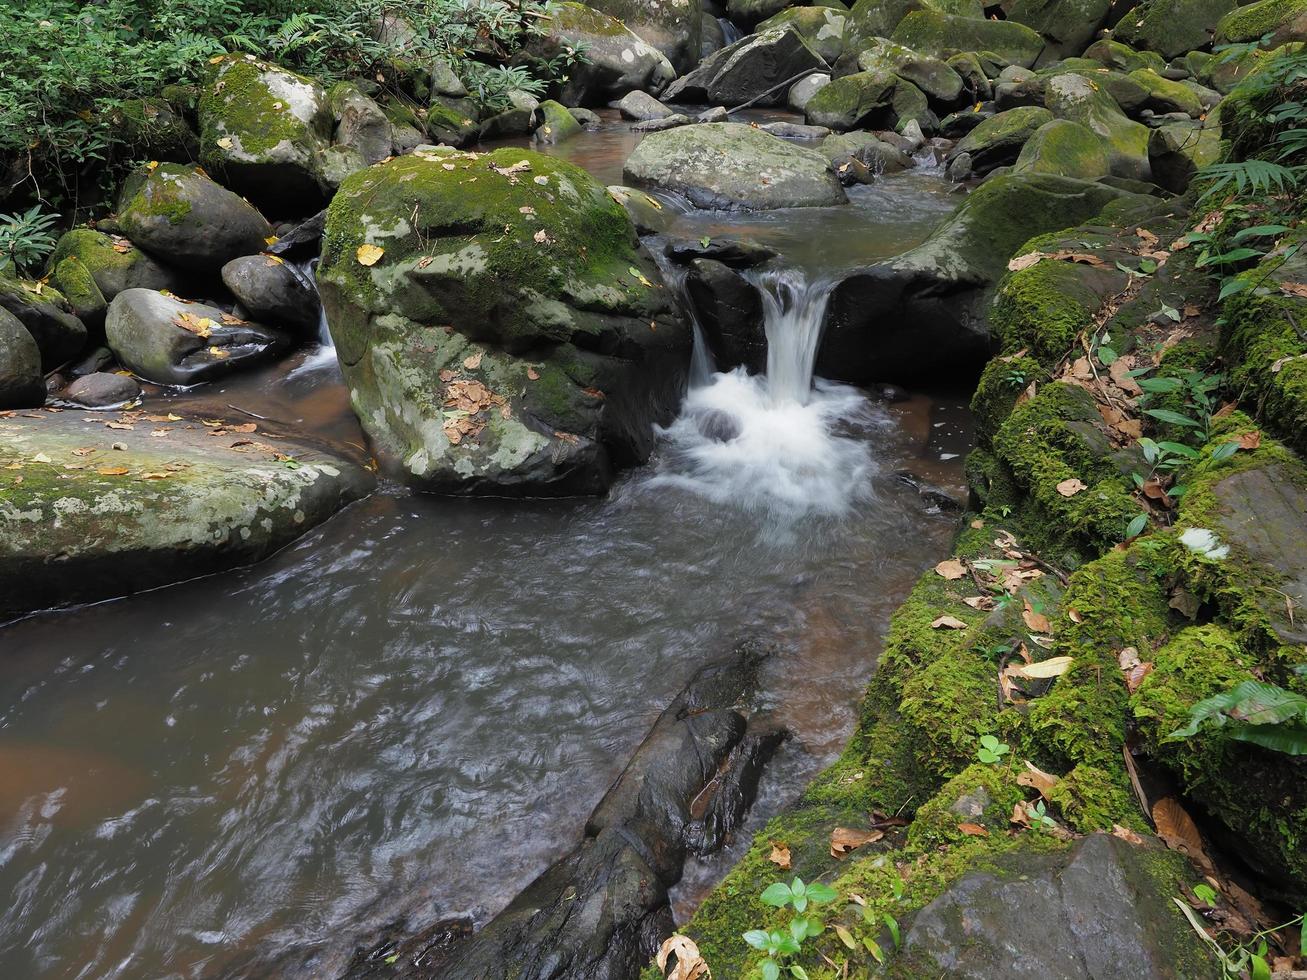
column 1249, row 959
column 26, row 239
column 1016, row 378
column 777, row 944
column 1255, row 712
column 991, row 750
column 1039, row 818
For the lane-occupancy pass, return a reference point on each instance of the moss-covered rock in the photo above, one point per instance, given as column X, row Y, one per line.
column 940, row 35
column 934, row 77
column 90, row 513
column 674, row 27
column 981, row 794
column 731, row 165
column 155, row 129
column 557, row 124
column 1074, row 97
column 616, row 60
column 1065, row 26
column 499, row 332
column 180, row 216
column 1042, row 308
column 1061, row 146
column 264, row 130
column 78, row 287
column 1172, row 27
column 998, row 140
column 1177, row 151
column 1283, row 20
column 821, row 27
column 846, row 103
column 870, row 19
column 1122, row 57
column 114, row 263
column 1165, row 95
column 47, row 316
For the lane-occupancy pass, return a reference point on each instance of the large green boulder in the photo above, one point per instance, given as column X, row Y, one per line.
column 113, row 261
column 940, row 35
column 1066, row 25
column 860, row 100
column 932, row 76
column 47, row 316
column 181, row 217
column 1165, row 95
column 870, row 19
column 1067, row 148
column 822, row 27
column 1074, row 97
column 1283, row 20
column 264, row 131
column 497, row 327
column 616, row 60
column 674, row 27
column 730, row 165
column 1172, row 27
column 925, row 312
column 1177, row 151
column 89, row 512
column 1122, row 57
column 21, row 383
column 998, row 140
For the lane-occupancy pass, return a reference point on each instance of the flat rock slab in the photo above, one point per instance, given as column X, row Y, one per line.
column 81, row 520
column 1265, row 517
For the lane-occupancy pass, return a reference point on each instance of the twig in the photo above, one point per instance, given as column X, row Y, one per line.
column 762, row 95
column 261, row 418
column 1135, row 784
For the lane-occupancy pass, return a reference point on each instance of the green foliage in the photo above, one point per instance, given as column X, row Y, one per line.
column 26, row 238
column 991, row 750
column 1255, row 712
column 779, row 945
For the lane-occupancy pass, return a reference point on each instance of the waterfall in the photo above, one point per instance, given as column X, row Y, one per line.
column 730, row 33
column 793, row 312
column 325, row 355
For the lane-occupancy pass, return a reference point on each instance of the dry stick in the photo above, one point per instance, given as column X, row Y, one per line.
column 261, row 418
column 763, row 95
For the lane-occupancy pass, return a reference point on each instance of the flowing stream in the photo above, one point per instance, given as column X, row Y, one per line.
column 409, row 712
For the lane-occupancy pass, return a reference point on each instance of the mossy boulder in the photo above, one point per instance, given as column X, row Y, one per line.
column 940, row 35
column 171, row 341
column 90, row 513
column 1283, row 20
column 1074, row 97
column 264, row 131
column 870, row 19
column 616, row 60
column 155, row 129
column 1172, row 27
column 934, row 77
column 674, row 27
column 749, row 70
column 998, row 140
column 557, row 124
column 113, row 262
column 849, row 102
column 1177, row 151
column 497, row 328
column 730, row 165
column 21, row 382
column 926, row 311
column 47, row 316
column 1122, row 57
column 1067, row 27
column 75, row 282
column 822, row 27
column 1165, row 95
column 1040, row 309
column 182, row 217
column 750, row 12
column 981, row 795
column 1061, row 146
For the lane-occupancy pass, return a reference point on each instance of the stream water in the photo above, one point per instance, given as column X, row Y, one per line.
column 410, row 711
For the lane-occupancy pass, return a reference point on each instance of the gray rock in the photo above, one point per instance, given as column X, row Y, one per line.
column 101, row 390
column 1105, row 912
column 802, row 91
column 509, row 123
column 272, row 292
column 100, row 359
column 998, row 140
column 183, row 218
column 649, row 215
column 716, row 114
column 21, row 382
column 642, row 105
column 795, row 131
column 45, row 314
column 960, row 167
column 733, row 166
column 859, row 158
column 70, row 534
column 362, row 128
column 674, row 27
column 616, row 60
column 143, row 331
column 1074, row 97
column 747, row 69
column 587, row 118
column 658, row 125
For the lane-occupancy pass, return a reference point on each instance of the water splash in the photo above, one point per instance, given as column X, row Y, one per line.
column 325, row 355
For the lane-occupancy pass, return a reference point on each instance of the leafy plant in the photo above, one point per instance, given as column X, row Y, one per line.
column 1255, row 712
column 779, row 944
column 26, row 238
column 1249, row 958
column 991, row 750
column 1039, row 818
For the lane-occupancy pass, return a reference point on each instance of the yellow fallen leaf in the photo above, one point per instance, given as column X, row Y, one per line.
column 226, row 142
column 369, row 254
column 1044, row 669
column 112, row 471
column 780, row 855
column 1071, row 487
column 472, row 361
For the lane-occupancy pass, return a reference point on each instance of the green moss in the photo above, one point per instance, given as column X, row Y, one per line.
column 999, row 387
column 74, row 280
column 1264, row 343
column 1255, row 20
column 577, row 18
column 1093, row 798
column 852, row 100
column 158, row 192
column 1064, row 147
column 94, row 250
column 1043, row 308
column 238, row 103
column 939, row 35
column 980, row 794
column 1114, row 54
column 1004, row 132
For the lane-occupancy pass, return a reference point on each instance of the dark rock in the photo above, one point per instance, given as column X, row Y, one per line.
column 731, row 252
column 21, row 382
column 747, row 69
column 885, row 392
column 674, row 121
column 100, row 359
column 1104, row 912
column 589, row 120
column 717, row 426
column 510, row 122
column 729, row 312
column 142, row 329
column 795, row 131
column 101, row 390
column 273, row 292
column 47, row 317
column 303, row 240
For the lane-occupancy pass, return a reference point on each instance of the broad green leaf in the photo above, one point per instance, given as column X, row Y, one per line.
column 1171, row 313
column 1175, row 418
column 821, row 893
column 1179, row 449
column 1260, row 231
column 874, row 949
column 770, row 970
column 1232, row 286
column 756, row 938
column 892, row 924
column 1261, row 970
column 1224, row 451
column 1107, row 356
column 798, row 972
column 777, row 894
column 1160, row 386
column 1136, row 527
column 846, row 937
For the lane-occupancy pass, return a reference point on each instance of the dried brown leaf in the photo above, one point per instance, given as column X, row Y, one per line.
column 845, row 839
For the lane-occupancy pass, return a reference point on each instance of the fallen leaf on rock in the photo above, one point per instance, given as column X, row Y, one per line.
column 473, row 361
column 1020, row 815
column 951, row 569
column 1044, row 669
column 1025, row 261
column 368, row 254
column 1036, row 778
column 1250, row 440
column 1153, row 490
column 243, row 428
column 540, row 237
column 973, row 830
column 780, row 855
column 1071, row 487
column 532, row 374
column 1136, row 674
column 41, row 458
column 1074, row 616
column 948, row 622
column 84, row 451
column 1178, row 830
column 1120, row 372
column 1081, row 369
column 1126, row 834
column 1294, row 289
column 112, row 471
column 1146, row 236
column 690, row 964
column 1035, row 621
column 977, row 524
column 982, row 602
column 846, row 839
column 219, row 353
column 156, row 476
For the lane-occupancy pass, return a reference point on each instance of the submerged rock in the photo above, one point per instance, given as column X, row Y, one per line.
column 734, row 166
column 497, row 328
column 90, row 513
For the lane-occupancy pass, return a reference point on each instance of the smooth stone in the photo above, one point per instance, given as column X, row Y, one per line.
column 101, row 390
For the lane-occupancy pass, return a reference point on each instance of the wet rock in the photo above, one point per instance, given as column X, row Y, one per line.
column 560, row 356
column 1172, row 27
column 673, row 121
column 802, row 91
column 507, row 124
column 717, row 113
column 21, row 382
column 717, row 426
column 729, row 311
column 616, row 60
column 78, row 529
column 960, row 166
column 101, row 390
column 273, row 292
column 642, row 105
column 362, row 135
column 77, row 286
column 674, row 27
column 1104, row 912
column 100, row 359
column 589, row 120
column 302, row 241
column 113, row 262
column 821, row 27
column 649, row 215
column 862, row 100
column 734, row 253
column 263, row 131
column 747, row 70
column 47, row 317
column 885, row 392
column 181, row 217
column 795, row 131
column 940, row 35
column 556, row 123
column 862, row 157
column 936, row 78
column 719, row 165
column 143, row 329
column 1076, row 98
column 923, row 313
column 957, row 124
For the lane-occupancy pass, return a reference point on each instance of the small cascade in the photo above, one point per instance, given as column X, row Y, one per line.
column 730, row 33
column 674, row 277
column 793, row 312
column 325, row 355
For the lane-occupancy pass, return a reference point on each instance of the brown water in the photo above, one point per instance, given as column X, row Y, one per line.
column 412, row 709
